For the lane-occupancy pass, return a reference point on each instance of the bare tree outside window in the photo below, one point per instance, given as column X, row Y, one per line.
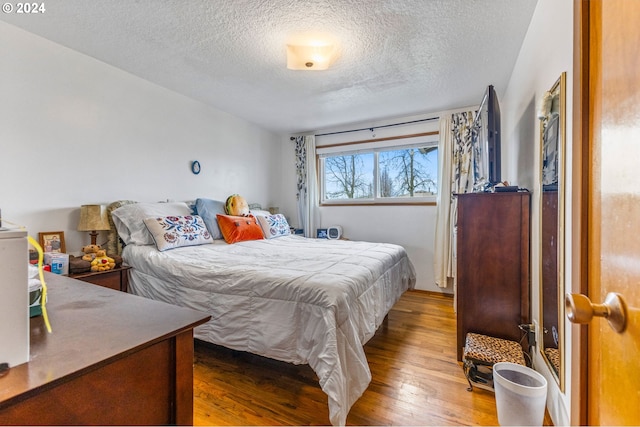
column 413, row 169
column 386, row 183
column 349, row 176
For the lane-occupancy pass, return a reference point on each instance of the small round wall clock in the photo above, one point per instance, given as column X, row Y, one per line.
column 195, row 167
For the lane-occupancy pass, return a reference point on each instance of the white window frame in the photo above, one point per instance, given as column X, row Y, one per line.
column 375, row 147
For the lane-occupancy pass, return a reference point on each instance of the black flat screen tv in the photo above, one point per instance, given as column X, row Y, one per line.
column 487, row 125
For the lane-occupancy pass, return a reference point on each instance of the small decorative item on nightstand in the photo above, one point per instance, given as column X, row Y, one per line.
column 321, row 233
column 52, row 241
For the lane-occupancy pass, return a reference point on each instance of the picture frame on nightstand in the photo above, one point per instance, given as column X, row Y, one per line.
column 52, row 241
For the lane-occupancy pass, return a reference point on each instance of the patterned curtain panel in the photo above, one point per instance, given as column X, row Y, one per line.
column 464, row 155
column 301, row 172
column 456, row 169
column 301, row 161
column 307, row 194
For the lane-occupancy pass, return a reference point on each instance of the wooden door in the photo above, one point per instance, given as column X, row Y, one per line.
column 611, row 168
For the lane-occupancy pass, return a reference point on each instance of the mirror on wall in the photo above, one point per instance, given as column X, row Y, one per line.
column 552, row 143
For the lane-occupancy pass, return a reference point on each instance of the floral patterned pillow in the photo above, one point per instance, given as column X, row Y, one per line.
column 274, row 225
column 177, row 231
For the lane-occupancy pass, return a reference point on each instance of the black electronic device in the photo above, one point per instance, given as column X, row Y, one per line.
column 487, row 124
column 505, row 188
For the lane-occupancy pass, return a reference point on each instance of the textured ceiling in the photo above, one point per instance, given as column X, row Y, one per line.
column 396, row 57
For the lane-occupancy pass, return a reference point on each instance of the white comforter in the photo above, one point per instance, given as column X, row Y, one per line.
column 304, row 301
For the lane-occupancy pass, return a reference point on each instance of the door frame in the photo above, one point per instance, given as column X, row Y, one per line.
column 581, row 168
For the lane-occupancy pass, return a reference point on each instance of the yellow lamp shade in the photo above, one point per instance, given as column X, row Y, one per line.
column 93, row 218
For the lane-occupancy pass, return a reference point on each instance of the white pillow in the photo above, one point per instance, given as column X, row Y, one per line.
column 273, row 225
column 129, row 219
column 259, row 212
column 178, row 231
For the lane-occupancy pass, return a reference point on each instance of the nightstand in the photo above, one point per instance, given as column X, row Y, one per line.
column 117, row 278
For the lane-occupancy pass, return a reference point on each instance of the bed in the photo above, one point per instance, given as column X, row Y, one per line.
column 298, row 300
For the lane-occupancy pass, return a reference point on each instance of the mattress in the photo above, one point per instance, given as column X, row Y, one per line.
column 294, row 299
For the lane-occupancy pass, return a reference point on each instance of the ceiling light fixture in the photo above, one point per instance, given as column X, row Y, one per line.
column 311, row 56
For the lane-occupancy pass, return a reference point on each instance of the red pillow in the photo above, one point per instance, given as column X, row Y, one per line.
column 239, row 228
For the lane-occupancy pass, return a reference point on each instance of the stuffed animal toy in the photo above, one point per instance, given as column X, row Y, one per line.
column 102, row 262
column 236, row 205
column 90, row 252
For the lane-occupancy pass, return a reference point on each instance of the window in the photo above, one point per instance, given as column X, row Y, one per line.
column 396, row 171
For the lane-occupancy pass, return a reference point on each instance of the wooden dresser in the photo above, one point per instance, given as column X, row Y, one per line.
column 112, row 359
column 493, row 265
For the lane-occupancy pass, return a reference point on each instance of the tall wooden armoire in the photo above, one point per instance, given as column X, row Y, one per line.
column 493, row 265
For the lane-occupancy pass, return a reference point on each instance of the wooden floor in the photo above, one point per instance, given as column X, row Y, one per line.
column 416, row 379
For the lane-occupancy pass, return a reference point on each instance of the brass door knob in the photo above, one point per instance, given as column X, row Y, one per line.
column 581, row 310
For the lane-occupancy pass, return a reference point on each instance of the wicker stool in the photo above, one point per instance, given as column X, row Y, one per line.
column 481, row 352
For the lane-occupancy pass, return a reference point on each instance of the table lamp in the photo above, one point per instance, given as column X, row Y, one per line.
column 93, row 218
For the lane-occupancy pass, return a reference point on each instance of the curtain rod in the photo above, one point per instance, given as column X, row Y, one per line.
column 374, row 127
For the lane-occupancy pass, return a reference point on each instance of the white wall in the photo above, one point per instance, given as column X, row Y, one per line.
column 547, row 51
column 77, row 131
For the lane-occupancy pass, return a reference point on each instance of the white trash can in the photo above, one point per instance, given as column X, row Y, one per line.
column 521, row 394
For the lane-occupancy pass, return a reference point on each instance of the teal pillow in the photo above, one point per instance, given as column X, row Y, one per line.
column 208, row 209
